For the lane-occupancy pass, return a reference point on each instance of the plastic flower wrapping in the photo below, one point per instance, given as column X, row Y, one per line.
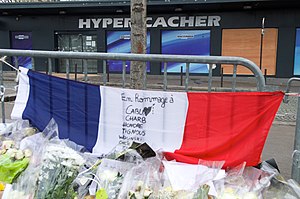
column 13, row 158
column 39, row 165
column 59, row 168
column 53, row 167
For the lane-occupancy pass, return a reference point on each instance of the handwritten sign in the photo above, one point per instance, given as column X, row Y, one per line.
column 135, row 116
column 155, row 117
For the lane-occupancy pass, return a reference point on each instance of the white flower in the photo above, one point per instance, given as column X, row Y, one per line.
column 250, row 195
column 108, row 175
column 55, row 152
column 19, row 155
column 67, row 163
column 70, row 173
column 2, row 151
column 46, row 176
column 29, row 131
column 11, row 152
column 7, row 144
column 50, row 156
column 27, row 153
column 147, row 193
column 51, row 166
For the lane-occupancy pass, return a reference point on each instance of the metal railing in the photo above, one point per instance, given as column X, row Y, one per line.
column 188, row 59
column 296, row 153
column 212, row 62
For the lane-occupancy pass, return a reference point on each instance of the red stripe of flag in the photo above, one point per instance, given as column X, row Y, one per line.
column 227, row 126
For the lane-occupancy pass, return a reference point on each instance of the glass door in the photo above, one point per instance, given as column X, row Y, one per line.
column 77, row 43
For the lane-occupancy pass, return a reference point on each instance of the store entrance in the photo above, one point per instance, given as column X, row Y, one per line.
column 77, row 43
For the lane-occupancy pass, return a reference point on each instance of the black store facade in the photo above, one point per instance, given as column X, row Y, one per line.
column 232, row 28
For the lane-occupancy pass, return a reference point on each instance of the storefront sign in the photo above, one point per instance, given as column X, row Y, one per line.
column 22, row 41
column 174, row 22
column 21, row 37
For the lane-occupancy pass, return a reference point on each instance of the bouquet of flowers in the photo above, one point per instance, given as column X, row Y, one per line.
column 21, row 188
column 106, row 180
column 111, row 175
column 53, row 167
column 17, row 130
column 142, row 181
column 169, row 193
column 12, row 161
column 277, row 186
column 60, row 166
column 241, row 182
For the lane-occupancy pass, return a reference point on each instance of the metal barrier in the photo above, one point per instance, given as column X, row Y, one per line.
column 296, row 154
column 146, row 58
column 212, row 62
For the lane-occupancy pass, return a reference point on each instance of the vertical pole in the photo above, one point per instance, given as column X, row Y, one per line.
column 76, row 71
column 107, row 72
column 145, row 77
column 234, row 77
column 181, row 75
column 261, row 43
column 296, row 155
column 210, row 77
column 165, row 76
column 67, row 68
column 32, row 63
column 187, row 76
column 2, row 93
column 16, row 62
column 85, row 67
column 222, row 77
column 104, row 72
column 266, row 73
column 49, row 66
column 82, row 62
column 123, row 73
column 16, row 66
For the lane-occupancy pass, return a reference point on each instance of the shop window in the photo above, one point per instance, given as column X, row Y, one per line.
column 186, row 42
column 247, row 43
column 119, row 42
column 77, row 43
column 22, row 41
column 297, row 53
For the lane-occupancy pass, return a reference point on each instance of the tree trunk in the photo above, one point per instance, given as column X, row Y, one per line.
column 138, row 42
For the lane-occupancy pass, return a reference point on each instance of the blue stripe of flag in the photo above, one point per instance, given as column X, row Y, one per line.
column 75, row 106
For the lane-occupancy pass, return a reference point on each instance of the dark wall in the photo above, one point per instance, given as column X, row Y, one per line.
column 43, row 30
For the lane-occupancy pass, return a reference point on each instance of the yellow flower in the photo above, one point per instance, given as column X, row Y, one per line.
column 2, row 187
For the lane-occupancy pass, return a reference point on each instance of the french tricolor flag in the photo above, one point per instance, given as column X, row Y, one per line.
column 187, row 125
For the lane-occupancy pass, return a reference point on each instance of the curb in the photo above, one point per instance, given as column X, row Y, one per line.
column 288, row 123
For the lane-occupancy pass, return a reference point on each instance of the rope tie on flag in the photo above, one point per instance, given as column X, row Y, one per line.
column 2, row 59
column 286, row 95
column 293, row 94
